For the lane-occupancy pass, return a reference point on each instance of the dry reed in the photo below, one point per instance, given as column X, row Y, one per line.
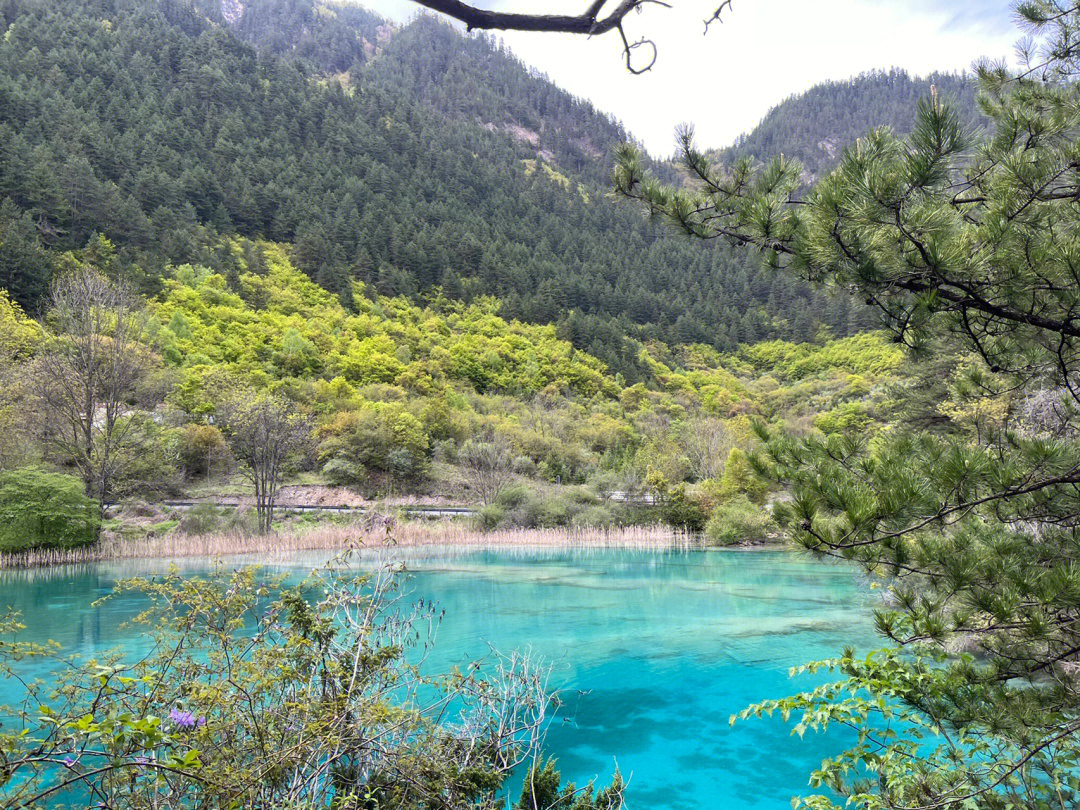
column 402, row 535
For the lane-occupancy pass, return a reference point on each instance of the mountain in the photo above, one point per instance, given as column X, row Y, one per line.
column 144, row 133
column 815, row 126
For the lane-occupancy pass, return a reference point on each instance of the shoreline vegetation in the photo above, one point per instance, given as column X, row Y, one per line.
column 329, row 538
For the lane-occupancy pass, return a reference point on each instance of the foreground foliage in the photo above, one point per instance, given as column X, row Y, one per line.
column 257, row 694
column 543, row 790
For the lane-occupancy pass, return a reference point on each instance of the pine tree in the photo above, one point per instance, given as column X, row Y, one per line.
column 971, row 246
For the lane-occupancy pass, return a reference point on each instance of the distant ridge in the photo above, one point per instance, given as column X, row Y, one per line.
column 815, row 126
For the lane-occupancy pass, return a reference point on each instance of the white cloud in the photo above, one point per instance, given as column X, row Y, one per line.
column 764, row 51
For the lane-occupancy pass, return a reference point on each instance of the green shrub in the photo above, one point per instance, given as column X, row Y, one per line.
column 556, row 512
column 543, row 790
column 682, row 511
column 514, row 496
column 206, row 518
column 518, row 507
column 846, row 417
column 581, row 497
column 40, row 509
column 523, row 465
column 344, row 472
column 739, row 478
column 738, row 520
column 595, row 517
column 491, row 517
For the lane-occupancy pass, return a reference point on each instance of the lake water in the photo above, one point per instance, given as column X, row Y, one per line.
column 654, row 652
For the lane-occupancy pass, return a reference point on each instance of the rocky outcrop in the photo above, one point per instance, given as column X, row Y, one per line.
column 232, row 11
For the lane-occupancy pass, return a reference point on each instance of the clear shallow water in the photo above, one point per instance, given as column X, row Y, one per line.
column 654, row 651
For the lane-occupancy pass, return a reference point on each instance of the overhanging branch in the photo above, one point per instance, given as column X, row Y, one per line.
column 592, row 21
column 588, row 22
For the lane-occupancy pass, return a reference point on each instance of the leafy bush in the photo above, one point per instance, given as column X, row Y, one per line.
column 867, row 353
column 253, row 660
column 519, row 507
column 846, row 417
column 682, row 511
column 514, row 496
column 344, row 472
column 40, row 509
column 595, row 517
column 490, row 517
column 738, row 520
column 523, row 465
column 206, row 518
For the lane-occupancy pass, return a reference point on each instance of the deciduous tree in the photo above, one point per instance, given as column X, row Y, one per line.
column 707, row 442
column 488, row 467
column 266, row 433
column 86, row 375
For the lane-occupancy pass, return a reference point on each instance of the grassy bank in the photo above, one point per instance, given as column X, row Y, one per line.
column 343, row 537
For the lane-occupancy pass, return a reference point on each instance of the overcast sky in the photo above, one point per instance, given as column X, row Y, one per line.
column 765, row 50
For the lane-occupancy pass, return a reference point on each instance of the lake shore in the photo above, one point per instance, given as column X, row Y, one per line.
column 343, row 538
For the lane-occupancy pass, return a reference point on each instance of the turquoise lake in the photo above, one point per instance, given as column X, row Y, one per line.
column 653, row 651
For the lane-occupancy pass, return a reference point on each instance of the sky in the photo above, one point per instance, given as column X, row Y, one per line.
column 723, row 82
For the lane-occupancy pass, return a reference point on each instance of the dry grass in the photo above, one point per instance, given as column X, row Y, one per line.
column 404, row 535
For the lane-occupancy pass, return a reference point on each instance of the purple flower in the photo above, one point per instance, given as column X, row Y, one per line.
column 202, row 722
column 182, row 719
column 69, row 762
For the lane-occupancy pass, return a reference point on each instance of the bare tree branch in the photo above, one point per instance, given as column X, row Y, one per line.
column 591, row 22
column 715, row 16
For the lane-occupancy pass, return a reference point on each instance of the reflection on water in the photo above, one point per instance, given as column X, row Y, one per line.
column 654, row 650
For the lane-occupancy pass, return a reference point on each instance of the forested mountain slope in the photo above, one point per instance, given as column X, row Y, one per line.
column 814, row 127
column 333, row 39
column 406, row 158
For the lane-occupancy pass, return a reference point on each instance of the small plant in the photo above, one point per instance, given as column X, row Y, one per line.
column 543, row 790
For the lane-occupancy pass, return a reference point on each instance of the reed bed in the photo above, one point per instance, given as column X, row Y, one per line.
column 340, row 538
